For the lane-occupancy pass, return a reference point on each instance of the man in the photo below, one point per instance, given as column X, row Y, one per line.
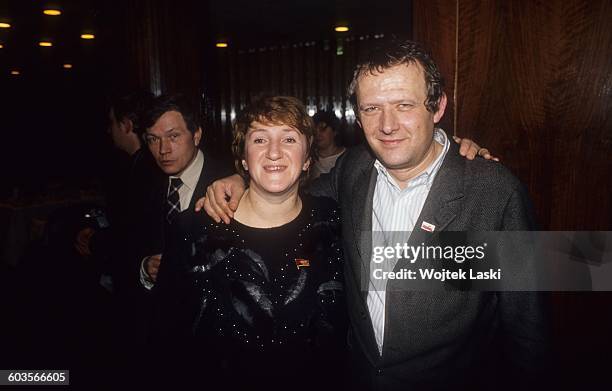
column 134, row 174
column 173, row 135
column 412, row 179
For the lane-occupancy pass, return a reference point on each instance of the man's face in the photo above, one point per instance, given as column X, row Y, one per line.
column 395, row 121
column 118, row 131
column 324, row 136
column 171, row 143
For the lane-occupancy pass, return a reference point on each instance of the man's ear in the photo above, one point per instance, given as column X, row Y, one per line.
column 441, row 107
column 197, row 136
column 126, row 126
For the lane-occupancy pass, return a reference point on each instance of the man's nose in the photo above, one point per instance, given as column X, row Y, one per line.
column 389, row 122
column 164, row 146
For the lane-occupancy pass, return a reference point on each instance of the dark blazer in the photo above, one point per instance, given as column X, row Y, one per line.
column 438, row 340
column 211, row 170
column 152, row 232
column 132, row 201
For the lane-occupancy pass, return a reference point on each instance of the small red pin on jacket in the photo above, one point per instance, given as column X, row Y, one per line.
column 299, row 263
column 427, row 227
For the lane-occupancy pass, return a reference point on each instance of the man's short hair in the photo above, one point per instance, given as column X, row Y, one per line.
column 272, row 110
column 387, row 53
column 132, row 106
column 179, row 103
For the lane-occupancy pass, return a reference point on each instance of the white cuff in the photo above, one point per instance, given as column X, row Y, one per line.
column 145, row 280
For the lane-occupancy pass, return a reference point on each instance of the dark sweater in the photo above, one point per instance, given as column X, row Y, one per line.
column 266, row 305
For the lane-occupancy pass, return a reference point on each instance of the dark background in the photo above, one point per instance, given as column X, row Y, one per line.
column 530, row 80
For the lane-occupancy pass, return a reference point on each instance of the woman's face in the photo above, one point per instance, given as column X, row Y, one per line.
column 324, row 136
column 275, row 156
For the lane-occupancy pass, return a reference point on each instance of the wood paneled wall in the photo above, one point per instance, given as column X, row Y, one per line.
column 534, row 84
column 159, row 46
column 317, row 72
column 532, row 80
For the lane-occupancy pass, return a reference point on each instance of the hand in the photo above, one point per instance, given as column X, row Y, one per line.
column 152, row 266
column 215, row 202
column 470, row 149
column 83, row 238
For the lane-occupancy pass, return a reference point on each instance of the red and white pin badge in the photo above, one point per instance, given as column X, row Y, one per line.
column 425, row 226
column 300, row 263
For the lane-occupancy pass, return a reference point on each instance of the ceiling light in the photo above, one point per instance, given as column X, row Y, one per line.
column 45, row 44
column 88, row 36
column 15, row 72
column 221, row 44
column 341, row 29
column 1, row 46
column 67, row 66
column 52, row 12
column 5, row 25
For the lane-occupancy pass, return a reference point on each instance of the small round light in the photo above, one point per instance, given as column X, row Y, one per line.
column 15, row 72
column 87, row 36
column 5, row 25
column 221, row 44
column 341, row 29
column 52, row 12
column 67, row 66
column 45, row 44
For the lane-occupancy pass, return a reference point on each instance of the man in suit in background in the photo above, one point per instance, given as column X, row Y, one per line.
column 412, row 179
column 173, row 135
column 134, row 174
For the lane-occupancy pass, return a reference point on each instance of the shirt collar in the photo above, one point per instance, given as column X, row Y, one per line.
column 191, row 174
column 429, row 174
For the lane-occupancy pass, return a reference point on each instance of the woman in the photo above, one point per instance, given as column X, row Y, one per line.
column 264, row 294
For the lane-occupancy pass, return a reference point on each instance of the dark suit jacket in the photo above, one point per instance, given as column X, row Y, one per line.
column 131, row 199
column 437, row 340
column 211, row 170
column 151, row 229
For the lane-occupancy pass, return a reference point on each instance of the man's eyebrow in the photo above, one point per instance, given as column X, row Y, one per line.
column 164, row 132
column 393, row 102
column 403, row 100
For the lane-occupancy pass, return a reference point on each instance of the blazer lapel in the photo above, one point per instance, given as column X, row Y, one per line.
column 363, row 197
column 361, row 214
column 443, row 202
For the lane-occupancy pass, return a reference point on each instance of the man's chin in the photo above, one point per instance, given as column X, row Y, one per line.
column 393, row 162
column 170, row 171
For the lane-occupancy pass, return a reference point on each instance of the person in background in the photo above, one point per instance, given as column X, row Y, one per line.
column 327, row 127
column 133, row 175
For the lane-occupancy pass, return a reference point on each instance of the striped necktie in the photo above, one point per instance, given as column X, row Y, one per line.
column 173, row 203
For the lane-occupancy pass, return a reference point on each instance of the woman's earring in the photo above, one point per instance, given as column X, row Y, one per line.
column 244, row 165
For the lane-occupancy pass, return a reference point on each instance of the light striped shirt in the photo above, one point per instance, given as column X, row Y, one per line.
column 396, row 210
